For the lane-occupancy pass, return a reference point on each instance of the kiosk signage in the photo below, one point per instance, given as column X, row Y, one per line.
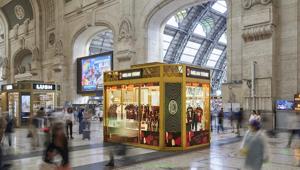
column 197, row 73
column 43, row 86
column 132, row 74
column 7, row 87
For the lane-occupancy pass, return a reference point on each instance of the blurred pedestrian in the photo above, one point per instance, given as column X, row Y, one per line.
column 294, row 127
column 80, row 118
column 254, row 147
column 239, row 120
column 9, row 128
column 2, row 132
column 69, row 120
column 40, row 115
column 35, row 124
column 57, row 148
column 252, row 116
column 220, row 120
column 258, row 116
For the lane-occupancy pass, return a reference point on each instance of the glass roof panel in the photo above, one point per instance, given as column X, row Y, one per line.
column 180, row 15
column 220, row 6
column 199, row 30
column 193, row 45
column 190, row 51
column 172, row 22
column 211, row 63
column 187, row 58
column 214, row 57
column 223, row 39
column 217, row 51
column 207, row 24
column 101, row 42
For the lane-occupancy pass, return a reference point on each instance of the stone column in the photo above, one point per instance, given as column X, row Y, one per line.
column 124, row 54
column 58, row 63
column 259, row 21
column 36, row 66
column 252, row 31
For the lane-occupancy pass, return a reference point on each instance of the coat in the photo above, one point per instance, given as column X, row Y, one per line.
column 256, row 146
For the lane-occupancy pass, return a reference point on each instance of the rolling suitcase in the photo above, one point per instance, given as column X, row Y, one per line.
column 86, row 133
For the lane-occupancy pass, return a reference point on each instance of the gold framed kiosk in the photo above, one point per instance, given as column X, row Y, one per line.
column 158, row 106
column 24, row 98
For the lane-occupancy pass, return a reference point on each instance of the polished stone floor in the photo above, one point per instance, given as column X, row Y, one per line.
column 223, row 154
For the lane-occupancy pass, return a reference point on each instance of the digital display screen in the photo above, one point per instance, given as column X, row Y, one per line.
column 91, row 69
column 25, row 100
column 284, row 105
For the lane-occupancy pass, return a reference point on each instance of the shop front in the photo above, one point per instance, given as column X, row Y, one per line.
column 25, row 98
column 158, row 106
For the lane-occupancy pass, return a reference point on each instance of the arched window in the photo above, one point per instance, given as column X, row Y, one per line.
column 101, row 42
column 197, row 36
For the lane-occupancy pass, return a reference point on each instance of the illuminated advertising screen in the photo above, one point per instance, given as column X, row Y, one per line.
column 90, row 72
column 284, row 105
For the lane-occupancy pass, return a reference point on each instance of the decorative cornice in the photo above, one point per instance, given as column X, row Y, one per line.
column 258, row 32
column 247, row 4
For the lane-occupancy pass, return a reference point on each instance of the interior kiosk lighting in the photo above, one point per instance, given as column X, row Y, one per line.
column 158, row 106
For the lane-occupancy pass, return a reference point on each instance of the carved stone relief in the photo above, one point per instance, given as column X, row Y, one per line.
column 59, row 48
column 26, row 26
column 5, row 68
column 51, row 38
column 16, row 31
column 247, row 4
column 125, row 31
column 19, row 12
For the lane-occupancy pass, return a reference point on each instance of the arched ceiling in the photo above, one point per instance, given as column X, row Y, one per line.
column 197, row 36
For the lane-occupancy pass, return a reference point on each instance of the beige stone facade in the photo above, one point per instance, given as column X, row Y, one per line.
column 265, row 31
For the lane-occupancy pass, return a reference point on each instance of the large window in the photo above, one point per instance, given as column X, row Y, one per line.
column 189, row 52
column 198, row 37
column 214, row 57
column 101, row 42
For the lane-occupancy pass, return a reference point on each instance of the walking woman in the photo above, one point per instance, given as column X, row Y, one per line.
column 57, row 148
column 254, row 147
column 69, row 119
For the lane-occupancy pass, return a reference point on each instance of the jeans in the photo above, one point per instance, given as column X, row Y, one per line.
column 69, row 126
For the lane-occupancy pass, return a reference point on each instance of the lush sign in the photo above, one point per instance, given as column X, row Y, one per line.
column 43, row 86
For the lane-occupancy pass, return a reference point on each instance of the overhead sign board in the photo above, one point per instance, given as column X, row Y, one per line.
column 197, row 73
column 43, row 86
column 132, row 74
